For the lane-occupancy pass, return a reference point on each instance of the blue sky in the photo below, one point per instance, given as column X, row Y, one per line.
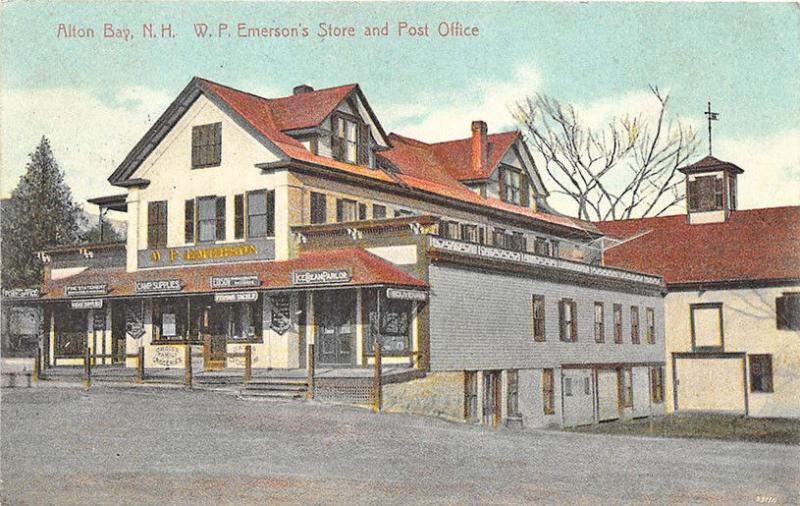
column 96, row 97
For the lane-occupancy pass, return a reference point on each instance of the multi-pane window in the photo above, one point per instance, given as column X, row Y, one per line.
column 548, row 397
column 657, row 384
column 346, row 210
column 238, row 216
column 499, row 237
column 512, row 399
column 635, row 324
column 207, row 215
column 470, row 396
column 618, row 323
column 157, row 224
column 555, row 249
column 537, row 307
column 541, row 246
column 449, row 230
column 761, row 373
column 188, row 221
column 599, row 323
column 206, row 145
column 390, row 321
column 319, row 208
column 362, row 211
column 511, row 186
column 625, row 385
column 705, row 193
column 378, row 211
column 349, row 140
column 650, row 331
column 469, row 232
column 517, row 241
column 260, row 214
column 170, row 318
column 244, row 320
column 568, row 322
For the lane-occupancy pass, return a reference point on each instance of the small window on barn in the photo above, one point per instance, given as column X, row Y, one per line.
column 761, row 373
column 706, row 326
column 206, row 145
column 787, row 311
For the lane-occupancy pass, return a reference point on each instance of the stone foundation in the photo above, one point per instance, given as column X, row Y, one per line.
column 437, row 394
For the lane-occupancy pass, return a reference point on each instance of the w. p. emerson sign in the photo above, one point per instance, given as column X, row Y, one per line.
column 253, row 249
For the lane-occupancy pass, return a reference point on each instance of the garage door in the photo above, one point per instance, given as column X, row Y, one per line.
column 607, row 399
column 710, row 384
column 578, row 394
column 641, row 392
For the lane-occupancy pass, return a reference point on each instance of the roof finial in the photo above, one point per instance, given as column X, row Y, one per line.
column 712, row 116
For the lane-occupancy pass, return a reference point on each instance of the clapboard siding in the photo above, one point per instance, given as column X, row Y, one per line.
column 482, row 320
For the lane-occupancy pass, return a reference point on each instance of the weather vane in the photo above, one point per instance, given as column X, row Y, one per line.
column 712, row 116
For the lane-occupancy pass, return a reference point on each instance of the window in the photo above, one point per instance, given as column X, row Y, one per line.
column 511, row 186
column 537, row 307
column 706, row 326
column 394, row 327
column 718, row 193
column 568, row 322
column 169, row 318
column 625, row 386
column 449, row 229
column 378, row 212
column 599, row 323
column 349, row 140
column 555, row 249
column 238, row 216
column 469, row 232
column 548, row 398
column 206, row 145
column 587, row 385
column 761, row 373
column 362, row 211
column 705, row 193
column 346, row 210
column 733, row 192
column 319, row 208
column 188, row 221
column 402, row 212
column 517, row 241
column 657, row 384
column 260, row 214
column 207, row 219
column 243, row 320
column 568, row 387
column 618, row 323
column 470, row 396
column 650, row 331
column 787, row 311
column 635, row 324
column 70, row 332
column 512, row 399
column 541, row 246
column 499, row 237
column 157, row 224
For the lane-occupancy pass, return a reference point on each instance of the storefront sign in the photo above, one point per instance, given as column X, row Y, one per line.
column 84, row 290
column 254, row 249
column 236, row 297
column 159, row 285
column 87, row 304
column 134, row 320
column 321, row 277
column 21, row 293
column 98, row 319
column 234, row 281
column 401, row 294
column 281, row 320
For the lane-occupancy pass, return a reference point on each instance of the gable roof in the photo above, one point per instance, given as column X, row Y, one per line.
column 752, row 245
column 307, row 109
column 456, row 155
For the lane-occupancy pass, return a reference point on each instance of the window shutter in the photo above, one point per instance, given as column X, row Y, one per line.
column 271, row 213
column 363, row 144
column 217, row 144
column 152, row 225
column 501, row 188
column 336, row 141
column 339, row 210
column 196, row 146
column 188, row 226
column 220, row 219
column 238, row 219
column 524, row 198
column 561, row 326
column 574, row 322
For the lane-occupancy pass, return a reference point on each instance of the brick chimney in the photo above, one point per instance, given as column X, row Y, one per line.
column 303, row 88
column 480, row 146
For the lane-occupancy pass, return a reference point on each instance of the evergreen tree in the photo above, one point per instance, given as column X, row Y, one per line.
column 40, row 214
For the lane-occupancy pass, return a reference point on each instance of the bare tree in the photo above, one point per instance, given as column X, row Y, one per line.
column 628, row 169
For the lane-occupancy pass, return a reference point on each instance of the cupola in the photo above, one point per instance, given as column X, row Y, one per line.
column 710, row 190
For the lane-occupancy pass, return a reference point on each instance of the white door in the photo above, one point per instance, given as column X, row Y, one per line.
column 641, row 392
column 578, row 394
column 607, row 395
column 711, row 384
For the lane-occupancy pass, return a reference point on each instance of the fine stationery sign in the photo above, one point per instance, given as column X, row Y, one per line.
column 134, row 320
column 218, row 282
column 280, row 320
column 321, row 277
column 21, row 293
column 159, row 285
column 401, row 294
column 87, row 304
column 236, row 297
column 84, row 290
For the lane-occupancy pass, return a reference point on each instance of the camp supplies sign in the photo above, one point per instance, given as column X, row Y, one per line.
column 159, row 285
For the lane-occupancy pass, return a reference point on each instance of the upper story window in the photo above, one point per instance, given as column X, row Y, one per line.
column 319, row 208
column 378, row 212
column 568, row 321
column 705, row 193
column 787, row 311
column 541, row 246
column 210, row 219
column 618, row 323
column 346, row 210
column 157, row 224
column 599, row 322
column 349, row 140
column 511, row 185
column 537, row 308
column 651, row 325
column 260, row 214
column 706, row 326
column 449, row 230
column 635, row 339
column 206, row 145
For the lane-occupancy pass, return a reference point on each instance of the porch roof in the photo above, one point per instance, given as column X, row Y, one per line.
column 365, row 269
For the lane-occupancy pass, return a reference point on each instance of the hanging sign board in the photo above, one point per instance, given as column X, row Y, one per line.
column 401, row 294
column 280, row 320
column 84, row 290
column 234, row 281
column 134, row 320
column 87, row 304
column 236, row 297
column 98, row 319
column 21, row 293
column 321, row 277
column 159, row 285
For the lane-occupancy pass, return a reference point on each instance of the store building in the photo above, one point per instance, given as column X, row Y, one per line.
column 732, row 310
column 281, row 223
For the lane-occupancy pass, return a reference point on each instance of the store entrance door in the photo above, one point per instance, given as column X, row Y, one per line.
column 334, row 319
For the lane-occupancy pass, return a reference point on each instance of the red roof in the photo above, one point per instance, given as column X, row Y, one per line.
column 307, row 109
column 709, row 163
column 753, row 244
column 366, row 269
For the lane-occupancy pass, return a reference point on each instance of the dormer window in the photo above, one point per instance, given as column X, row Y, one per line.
column 705, row 193
column 513, row 186
column 349, row 140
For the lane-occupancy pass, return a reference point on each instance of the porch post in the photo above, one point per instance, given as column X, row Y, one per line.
column 248, row 357
column 87, row 368
column 140, row 365
column 377, row 387
column 310, row 370
column 187, row 367
column 36, row 361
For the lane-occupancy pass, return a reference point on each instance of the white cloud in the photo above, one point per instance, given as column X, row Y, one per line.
column 89, row 136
